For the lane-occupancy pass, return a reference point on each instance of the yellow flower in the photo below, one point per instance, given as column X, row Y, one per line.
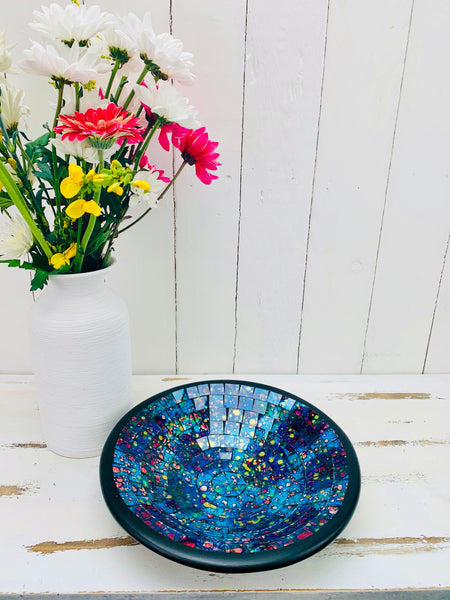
column 13, row 163
column 141, row 184
column 77, row 208
column 95, row 177
column 60, row 259
column 116, row 188
column 72, row 184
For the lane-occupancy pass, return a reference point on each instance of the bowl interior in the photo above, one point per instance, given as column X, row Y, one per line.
column 230, row 467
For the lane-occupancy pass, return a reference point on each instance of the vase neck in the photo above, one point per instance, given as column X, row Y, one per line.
column 79, row 283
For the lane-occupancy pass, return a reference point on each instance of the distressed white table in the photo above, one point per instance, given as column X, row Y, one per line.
column 57, row 536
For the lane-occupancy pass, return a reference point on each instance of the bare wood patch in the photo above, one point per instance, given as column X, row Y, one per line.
column 12, row 490
column 381, row 443
column 176, row 379
column 51, row 547
column 385, row 396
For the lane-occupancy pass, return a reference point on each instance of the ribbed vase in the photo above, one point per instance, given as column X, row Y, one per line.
column 80, row 344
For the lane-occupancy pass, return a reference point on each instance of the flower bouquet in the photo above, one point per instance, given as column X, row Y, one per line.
column 67, row 195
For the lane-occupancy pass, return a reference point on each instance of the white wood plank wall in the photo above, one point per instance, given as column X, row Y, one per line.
column 323, row 247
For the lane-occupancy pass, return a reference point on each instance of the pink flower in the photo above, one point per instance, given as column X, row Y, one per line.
column 195, row 147
column 101, row 124
column 177, row 131
column 144, row 164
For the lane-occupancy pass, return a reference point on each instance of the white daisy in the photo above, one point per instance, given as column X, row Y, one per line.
column 171, row 59
column 70, row 23
column 148, row 197
column 89, row 99
column 163, row 50
column 6, row 65
column 11, row 106
column 75, row 64
column 80, row 149
column 119, row 38
column 140, row 33
column 16, row 238
column 165, row 101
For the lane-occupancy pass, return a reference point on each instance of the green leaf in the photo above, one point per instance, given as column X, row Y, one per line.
column 45, row 172
column 38, row 145
column 5, row 201
column 14, row 262
column 39, row 280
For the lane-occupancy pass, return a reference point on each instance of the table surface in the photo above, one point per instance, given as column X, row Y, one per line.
column 57, row 536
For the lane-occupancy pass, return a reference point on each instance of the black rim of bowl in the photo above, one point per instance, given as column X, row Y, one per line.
column 226, row 562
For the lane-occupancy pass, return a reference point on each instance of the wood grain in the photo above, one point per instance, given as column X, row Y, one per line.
column 282, row 105
column 206, row 217
column 417, row 216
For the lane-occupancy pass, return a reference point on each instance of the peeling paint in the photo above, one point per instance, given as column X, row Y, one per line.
column 393, row 478
column 26, row 445
column 385, row 396
column 12, row 490
column 397, row 545
column 403, row 443
column 50, row 547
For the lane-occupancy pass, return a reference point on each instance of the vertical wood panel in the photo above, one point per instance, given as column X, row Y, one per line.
column 437, row 359
column 416, row 224
column 15, row 297
column 365, row 57
column 15, row 304
column 285, row 49
column 207, row 216
column 144, row 276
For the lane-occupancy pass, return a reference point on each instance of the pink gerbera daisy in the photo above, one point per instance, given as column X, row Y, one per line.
column 101, row 126
column 196, row 149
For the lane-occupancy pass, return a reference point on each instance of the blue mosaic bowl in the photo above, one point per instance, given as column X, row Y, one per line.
column 230, row 476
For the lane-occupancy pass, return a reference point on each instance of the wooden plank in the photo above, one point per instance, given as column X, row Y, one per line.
column 406, row 594
column 285, row 50
column 365, row 56
column 415, row 228
column 207, row 216
column 437, row 358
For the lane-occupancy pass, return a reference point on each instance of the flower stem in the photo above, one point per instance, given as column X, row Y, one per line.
column 17, row 198
column 119, row 89
column 77, row 96
column 58, row 108
column 159, row 198
column 81, row 248
column 139, row 80
column 112, row 77
column 141, row 151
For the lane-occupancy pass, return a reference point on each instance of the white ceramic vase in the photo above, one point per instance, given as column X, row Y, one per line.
column 80, row 344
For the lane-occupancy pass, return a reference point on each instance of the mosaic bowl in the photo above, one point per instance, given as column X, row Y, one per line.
column 230, row 476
